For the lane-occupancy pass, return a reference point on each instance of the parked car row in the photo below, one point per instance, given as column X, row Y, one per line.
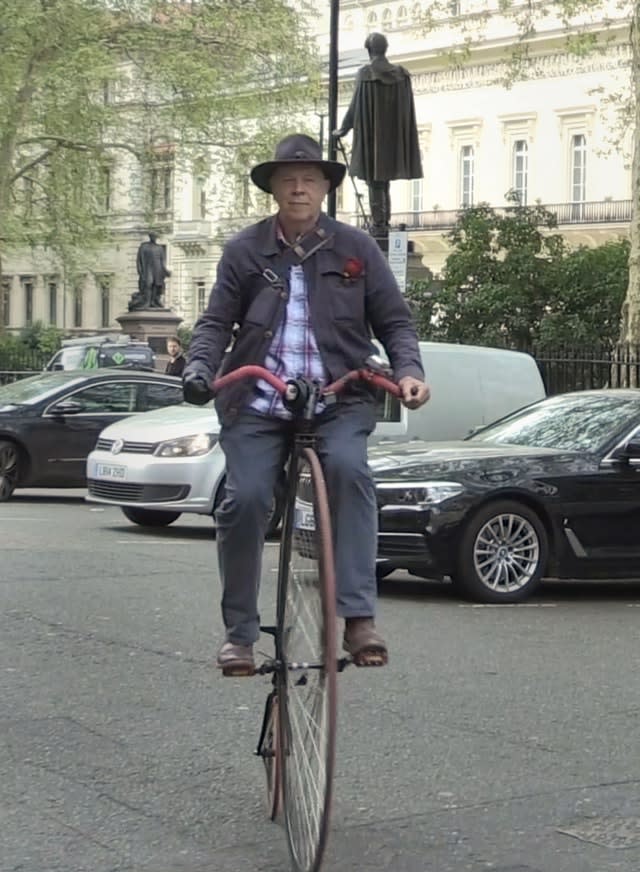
column 551, row 490
column 50, row 422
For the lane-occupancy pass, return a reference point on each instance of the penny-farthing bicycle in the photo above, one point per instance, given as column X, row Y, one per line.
column 297, row 737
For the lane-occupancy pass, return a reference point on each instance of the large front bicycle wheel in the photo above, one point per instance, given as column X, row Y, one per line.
column 307, row 626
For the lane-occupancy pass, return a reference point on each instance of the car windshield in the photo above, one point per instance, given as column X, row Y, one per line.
column 30, row 390
column 570, row 423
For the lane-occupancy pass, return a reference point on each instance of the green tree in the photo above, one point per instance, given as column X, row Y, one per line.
column 510, row 280
column 83, row 81
column 590, row 290
column 41, row 337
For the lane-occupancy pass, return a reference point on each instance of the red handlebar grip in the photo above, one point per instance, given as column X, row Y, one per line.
column 249, row 372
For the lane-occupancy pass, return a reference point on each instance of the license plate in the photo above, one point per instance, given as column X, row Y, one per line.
column 304, row 519
column 105, row 471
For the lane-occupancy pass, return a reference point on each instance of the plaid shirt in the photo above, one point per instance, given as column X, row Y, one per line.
column 293, row 352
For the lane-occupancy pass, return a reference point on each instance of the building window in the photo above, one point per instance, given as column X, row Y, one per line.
column 77, row 306
column 579, row 168
column 416, row 195
column 104, row 289
column 467, row 175
column 53, row 302
column 162, row 188
column 201, row 296
column 520, row 181
column 105, row 188
column 27, row 284
column 5, row 302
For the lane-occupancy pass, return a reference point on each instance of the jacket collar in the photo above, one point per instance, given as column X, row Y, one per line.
column 269, row 244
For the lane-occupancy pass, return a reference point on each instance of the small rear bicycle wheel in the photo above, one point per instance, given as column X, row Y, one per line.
column 269, row 750
column 307, row 684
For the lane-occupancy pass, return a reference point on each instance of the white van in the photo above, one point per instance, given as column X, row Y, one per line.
column 470, row 386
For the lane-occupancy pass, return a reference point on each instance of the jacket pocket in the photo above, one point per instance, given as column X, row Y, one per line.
column 345, row 296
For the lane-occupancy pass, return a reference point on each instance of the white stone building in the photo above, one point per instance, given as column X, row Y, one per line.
column 555, row 137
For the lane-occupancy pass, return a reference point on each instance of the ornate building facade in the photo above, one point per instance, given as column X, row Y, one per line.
column 557, row 137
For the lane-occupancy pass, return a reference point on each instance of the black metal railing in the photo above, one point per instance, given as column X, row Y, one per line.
column 596, row 212
column 578, row 367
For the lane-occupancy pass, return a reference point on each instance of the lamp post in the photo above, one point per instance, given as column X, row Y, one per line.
column 333, row 93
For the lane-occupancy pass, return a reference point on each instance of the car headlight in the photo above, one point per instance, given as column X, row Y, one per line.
column 418, row 494
column 186, row 446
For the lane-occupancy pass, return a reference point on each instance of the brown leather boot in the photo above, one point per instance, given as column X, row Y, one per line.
column 236, row 661
column 364, row 644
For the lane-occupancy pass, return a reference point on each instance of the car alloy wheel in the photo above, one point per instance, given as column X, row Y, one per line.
column 503, row 553
column 9, row 468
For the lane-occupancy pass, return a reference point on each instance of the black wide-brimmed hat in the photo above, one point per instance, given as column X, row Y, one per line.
column 297, row 148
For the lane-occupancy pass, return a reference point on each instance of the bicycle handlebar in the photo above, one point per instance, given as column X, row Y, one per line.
column 281, row 386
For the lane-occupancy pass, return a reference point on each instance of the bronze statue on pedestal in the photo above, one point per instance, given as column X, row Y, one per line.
column 152, row 272
column 385, row 135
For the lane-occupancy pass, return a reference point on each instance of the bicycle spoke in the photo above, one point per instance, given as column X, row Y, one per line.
column 308, row 711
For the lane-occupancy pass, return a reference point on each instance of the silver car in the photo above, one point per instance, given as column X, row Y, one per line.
column 160, row 464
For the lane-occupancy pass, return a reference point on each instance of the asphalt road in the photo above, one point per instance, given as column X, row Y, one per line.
column 499, row 738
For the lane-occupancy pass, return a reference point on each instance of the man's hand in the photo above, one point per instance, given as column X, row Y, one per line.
column 195, row 388
column 415, row 393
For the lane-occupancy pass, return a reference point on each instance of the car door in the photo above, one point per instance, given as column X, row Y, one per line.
column 603, row 519
column 76, row 418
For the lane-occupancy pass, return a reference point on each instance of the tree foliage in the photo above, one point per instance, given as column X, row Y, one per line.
column 511, row 280
column 83, row 81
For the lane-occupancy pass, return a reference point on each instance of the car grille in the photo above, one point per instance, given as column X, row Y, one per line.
column 121, row 491
column 127, row 448
column 402, row 545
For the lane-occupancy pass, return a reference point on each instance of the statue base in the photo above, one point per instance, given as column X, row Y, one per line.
column 150, row 325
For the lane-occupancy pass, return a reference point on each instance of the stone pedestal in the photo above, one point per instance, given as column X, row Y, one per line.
column 150, row 325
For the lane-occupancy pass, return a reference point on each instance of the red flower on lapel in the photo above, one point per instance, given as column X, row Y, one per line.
column 353, row 268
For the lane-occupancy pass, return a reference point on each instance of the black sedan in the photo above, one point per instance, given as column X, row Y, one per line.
column 550, row 491
column 50, row 422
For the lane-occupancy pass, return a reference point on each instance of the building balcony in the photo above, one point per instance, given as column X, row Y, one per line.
column 191, row 231
column 568, row 214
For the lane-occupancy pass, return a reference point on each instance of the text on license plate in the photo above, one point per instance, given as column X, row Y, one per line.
column 107, row 471
column 304, row 519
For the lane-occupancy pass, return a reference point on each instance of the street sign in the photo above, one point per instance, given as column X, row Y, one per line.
column 398, row 247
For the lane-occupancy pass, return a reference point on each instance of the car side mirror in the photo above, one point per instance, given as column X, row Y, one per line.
column 66, row 407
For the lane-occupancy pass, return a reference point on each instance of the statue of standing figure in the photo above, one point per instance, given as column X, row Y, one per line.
column 152, row 272
column 385, row 134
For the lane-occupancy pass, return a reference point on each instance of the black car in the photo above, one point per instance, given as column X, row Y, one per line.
column 50, row 422
column 550, row 491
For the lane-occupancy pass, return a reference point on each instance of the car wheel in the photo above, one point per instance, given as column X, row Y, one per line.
column 9, row 468
column 150, row 517
column 275, row 513
column 503, row 554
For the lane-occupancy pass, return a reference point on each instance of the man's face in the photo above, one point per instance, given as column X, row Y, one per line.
column 299, row 190
column 173, row 348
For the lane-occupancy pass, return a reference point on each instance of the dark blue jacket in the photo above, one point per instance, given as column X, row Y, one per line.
column 343, row 311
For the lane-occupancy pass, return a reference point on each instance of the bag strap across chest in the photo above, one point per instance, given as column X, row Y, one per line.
column 295, row 254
